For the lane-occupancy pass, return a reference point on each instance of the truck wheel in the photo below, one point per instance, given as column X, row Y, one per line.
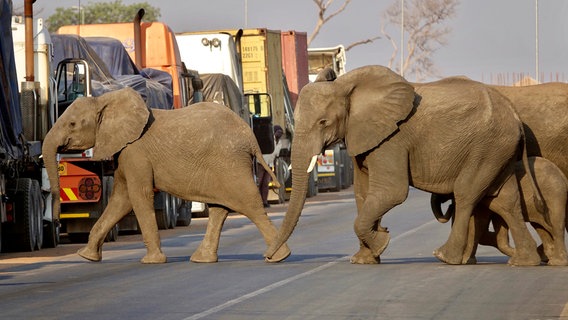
column 161, row 208
column 50, row 235
column 38, row 209
column 23, row 231
column 184, row 217
column 112, row 235
column 172, row 209
column 312, row 184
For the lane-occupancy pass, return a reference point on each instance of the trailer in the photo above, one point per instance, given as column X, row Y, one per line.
column 25, row 203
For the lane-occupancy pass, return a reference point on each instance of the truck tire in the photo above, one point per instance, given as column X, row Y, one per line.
column 312, row 184
column 184, row 213
column 22, row 233
column 161, row 204
column 38, row 208
column 50, row 234
column 172, row 210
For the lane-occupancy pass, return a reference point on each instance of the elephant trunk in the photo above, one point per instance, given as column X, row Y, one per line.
column 302, row 162
column 51, row 144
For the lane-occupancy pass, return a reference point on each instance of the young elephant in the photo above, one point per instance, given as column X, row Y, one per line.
column 553, row 186
column 203, row 153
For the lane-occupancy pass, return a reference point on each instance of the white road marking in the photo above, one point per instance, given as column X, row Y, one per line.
column 284, row 282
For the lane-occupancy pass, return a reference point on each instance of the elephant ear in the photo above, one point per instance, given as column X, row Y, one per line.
column 122, row 116
column 378, row 100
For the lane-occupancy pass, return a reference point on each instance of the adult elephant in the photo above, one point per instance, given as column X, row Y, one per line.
column 450, row 136
column 543, row 109
column 183, row 152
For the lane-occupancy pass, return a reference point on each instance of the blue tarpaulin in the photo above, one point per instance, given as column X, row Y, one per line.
column 10, row 113
column 112, row 68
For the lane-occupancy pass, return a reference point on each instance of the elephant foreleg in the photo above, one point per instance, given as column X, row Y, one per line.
column 361, row 188
column 117, row 207
column 142, row 197
column 207, row 250
column 381, row 192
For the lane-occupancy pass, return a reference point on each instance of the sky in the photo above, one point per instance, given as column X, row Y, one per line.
column 489, row 38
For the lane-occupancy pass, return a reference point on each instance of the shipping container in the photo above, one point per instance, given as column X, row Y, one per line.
column 295, row 62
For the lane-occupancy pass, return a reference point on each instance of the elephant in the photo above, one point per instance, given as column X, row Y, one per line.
column 203, row 152
column 553, row 186
column 543, row 110
column 449, row 136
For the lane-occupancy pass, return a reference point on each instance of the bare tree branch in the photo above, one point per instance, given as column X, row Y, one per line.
column 423, row 24
column 323, row 5
column 361, row 42
column 393, row 43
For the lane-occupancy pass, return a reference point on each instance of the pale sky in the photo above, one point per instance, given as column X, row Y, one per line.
column 489, row 37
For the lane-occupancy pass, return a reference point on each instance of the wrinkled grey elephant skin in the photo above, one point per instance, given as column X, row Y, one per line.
column 543, row 109
column 553, row 186
column 435, row 136
column 203, row 152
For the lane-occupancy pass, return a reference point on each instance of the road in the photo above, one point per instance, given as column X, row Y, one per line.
column 315, row 282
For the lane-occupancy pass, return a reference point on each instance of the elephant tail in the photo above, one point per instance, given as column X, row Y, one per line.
column 258, row 154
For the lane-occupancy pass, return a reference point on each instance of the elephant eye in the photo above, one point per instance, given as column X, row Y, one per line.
column 323, row 122
column 72, row 124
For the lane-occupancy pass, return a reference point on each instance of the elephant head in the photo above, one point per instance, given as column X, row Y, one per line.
column 362, row 107
column 106, row 123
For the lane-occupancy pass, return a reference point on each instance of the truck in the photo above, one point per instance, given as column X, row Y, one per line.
column 25, row 204
column 335, row 167
column 268, row 98
column 253, row 59
column 151, row 46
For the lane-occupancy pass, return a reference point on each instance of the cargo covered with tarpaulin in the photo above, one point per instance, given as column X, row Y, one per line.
column 112, row 68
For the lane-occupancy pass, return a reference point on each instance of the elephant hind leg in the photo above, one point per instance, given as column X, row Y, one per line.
column 508, row 206
column 552, row 251
column 207, row 250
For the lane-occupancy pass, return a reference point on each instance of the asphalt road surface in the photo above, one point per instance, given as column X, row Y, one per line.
column 315, row 282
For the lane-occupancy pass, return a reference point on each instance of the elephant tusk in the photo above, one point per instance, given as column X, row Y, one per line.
column 313, row 163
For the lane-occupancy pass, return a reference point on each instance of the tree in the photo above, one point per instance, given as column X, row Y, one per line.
column 323, row 7
column 424, row 31
column 100, row 12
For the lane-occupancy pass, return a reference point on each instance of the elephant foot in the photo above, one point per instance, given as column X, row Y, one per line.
column 526, row 259
column 280, row 255
column 91, row 254
column 151, row 258
column 443, row 255
column 551, row 258
column 202, row 256
column 558, row 261
column 379, row 242
column 364, row 256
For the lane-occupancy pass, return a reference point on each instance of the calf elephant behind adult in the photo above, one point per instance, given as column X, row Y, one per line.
column 203, row 153
column 450, row 136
